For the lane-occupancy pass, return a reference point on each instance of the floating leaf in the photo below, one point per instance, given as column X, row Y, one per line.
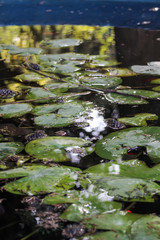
column 132, row 168
column 119, row 220
column 64, row 109
column 33, row 77
column 156, row 89
column 15, row 110
column 122, row 99
column 107, row 235
column 66, row 56
column 139, row 119
column 119, row 72
column 123, row 188
column 89, row 204
column 101, row 82
column 9, row 149
column 53, row 120
column 144, row 69
column 103, row 63
column 25, row 51
column 55, row 148
column 115, row 145
column 142, row 93
column 60, row 43
column 66, row 68
column 156, row 81
column 40, row 179
column 147, row 227
column 38, row 93
column 60, row 87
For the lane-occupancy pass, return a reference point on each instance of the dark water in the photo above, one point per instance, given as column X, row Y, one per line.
column 129, row 47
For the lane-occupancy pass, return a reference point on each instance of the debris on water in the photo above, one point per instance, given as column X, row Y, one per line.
column 35, row 135
column 73, row 230
column 114, row 124
column 7, row 93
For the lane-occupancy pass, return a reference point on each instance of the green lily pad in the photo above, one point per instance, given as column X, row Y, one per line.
column 66, row 56
column 102, row 83
column 14, row 110
column 66, row 68
column 122, row 99
column 38, row 93
column 9, row 149
column 55, row 148
column 60, row 87
column 115, row 145
column 132, row 168
column 106, row 235
column 103, row 63
column 40, row 179
column 119, row 72
column 33, row 77
column 88, row 205
column 64, row 109
column 156, row 89
column 144, row 69
column 143, row 93
column 139, row 119
column 147, row 227
column 118, row 221
column 53, row 120
column 25, row 51
column 60, row 43
column 123, row 188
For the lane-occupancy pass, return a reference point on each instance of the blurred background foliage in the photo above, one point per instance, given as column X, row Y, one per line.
column 101, row 39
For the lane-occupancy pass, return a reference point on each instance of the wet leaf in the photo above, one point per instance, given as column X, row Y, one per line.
column 143, row 93
column 118, row 221
column 144, row 69
column 119, row 72
column 103, row 63
column 66, row 68
column 122, row 99
column 89, row 204
column 53, row 120
column 60, row 87
column 60, row 43
column 156, row 81
column 33, row 77
column 38, row 93
column 15, row 110
column 147, row 227
column 63, row 56
column 115, row 145
column 101, row 82
column 139, row 119
column 107, row 235
column 132, row 168
column 9, row 149
column 55, row 148
column 25, row 51
column 123, row 188
column 40, row 179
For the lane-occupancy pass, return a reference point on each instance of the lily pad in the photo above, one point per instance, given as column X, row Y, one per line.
column 156, row 81
column 102, row 82
column 122, row 99
column 123, row 188
column 9, row 149
column 40, row 179
column 118, row 221
column 119, row 72
column 132, row 168
column 139, row 119
column 38, row 93
column 89, row 204
column 147, row 227
column 115, row 145
column 144, row 69
column 25, row 51
column 66, row 68
column 55, row 148
column 66, row 56
column 60, row 43
column 143, row 93
column 15, row 110
column 107, row 235
column 33, row 77
column 53, row 120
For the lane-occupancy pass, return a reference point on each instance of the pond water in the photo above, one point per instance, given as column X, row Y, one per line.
column 73, row 97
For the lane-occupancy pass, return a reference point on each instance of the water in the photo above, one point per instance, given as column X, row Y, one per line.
column 126, row 46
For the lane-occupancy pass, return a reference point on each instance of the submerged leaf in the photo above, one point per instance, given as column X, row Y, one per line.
column 115, row 145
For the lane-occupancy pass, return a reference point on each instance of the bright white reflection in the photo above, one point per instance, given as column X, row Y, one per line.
column 96, row 122
column 114, row 169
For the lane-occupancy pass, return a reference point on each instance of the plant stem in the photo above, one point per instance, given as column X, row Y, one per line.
column 30, row 235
